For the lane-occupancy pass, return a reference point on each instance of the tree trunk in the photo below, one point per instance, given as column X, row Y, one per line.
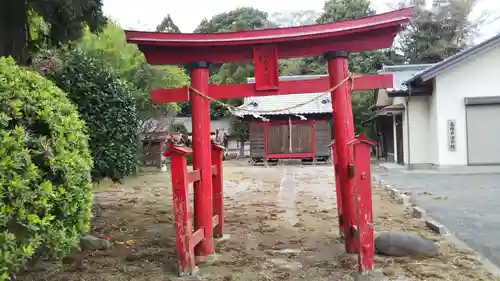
column 242, row 148
column 13, row 30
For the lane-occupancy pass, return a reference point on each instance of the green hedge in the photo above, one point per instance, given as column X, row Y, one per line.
column 108, row 106
column 45, row 164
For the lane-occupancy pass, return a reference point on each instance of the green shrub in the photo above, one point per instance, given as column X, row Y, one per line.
column 107, row 105
column 45, row 164
column 179, row 127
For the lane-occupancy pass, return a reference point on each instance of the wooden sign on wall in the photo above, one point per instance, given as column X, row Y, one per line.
column 452, row 135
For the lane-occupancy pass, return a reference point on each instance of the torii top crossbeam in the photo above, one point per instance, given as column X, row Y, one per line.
column 367, row 33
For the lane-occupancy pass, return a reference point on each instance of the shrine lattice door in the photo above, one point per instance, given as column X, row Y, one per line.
column 302, row 138
column 278, row 139
column 284, row 141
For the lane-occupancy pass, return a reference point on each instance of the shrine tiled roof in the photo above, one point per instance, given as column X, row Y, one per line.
column 321, row 104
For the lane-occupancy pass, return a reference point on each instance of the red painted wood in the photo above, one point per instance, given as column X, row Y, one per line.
column 290, row 155
column 256, row 36
column 180, row 149
column 215, row 220
column 183, row 226
column 363, row 191
column 379, row 39
column 362, row 34
column 203, row 207
column 197, row 237
column 351, row 35
column 319, row 85
column 218, row 190
column 265, row 60
column 193, row 176
column 344, row 132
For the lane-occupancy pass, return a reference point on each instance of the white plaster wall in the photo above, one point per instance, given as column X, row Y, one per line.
column 418, row 114
column 433, row 138
column 474, row 77
column 398, row 100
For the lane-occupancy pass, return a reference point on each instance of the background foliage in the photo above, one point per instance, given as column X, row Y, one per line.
column 435, row 34
column 111, row 48
column 107, row 105
column 45, row 188
column 55, row 22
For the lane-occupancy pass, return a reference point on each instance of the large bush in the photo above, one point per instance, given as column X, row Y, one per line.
column 45, row 188
column 107, row 105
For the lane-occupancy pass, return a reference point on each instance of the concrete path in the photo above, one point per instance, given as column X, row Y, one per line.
column 468, row 205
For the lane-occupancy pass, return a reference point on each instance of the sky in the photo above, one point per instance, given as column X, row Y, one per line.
column 187, row 14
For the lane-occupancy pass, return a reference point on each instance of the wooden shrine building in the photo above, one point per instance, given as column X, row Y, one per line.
column 295, row 126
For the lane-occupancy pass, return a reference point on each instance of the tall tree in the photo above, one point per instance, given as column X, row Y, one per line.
column 293, row 66
column 63, row 21
column 240, row 19
column 294, row 18
column 335, row 10
column 440, row 31
column 111, row 47
column 365, row 62
column 167, row 25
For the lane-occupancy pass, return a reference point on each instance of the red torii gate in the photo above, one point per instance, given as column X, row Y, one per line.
column 265, row 47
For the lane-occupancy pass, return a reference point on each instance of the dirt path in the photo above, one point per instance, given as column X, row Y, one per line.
column 283, row 226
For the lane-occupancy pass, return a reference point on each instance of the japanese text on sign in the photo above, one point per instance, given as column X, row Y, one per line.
column 452, row 135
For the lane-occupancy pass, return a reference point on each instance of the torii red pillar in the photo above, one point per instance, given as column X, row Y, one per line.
column 343, row 123
column 265, row 47
column 202, row 145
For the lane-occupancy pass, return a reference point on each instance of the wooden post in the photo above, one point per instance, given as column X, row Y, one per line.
column 218, row 192
column 363, row 194
column 203, row 206
column 313, row 139
column 180, row 200
column 344, row 132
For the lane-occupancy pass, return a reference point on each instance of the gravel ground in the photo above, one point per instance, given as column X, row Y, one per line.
column 282, row 222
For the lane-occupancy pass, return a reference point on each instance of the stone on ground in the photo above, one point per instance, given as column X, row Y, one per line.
column 402, row 244
column 89, row 242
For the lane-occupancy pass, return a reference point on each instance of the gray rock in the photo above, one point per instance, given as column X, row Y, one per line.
column 402, row 244
column 89, row 242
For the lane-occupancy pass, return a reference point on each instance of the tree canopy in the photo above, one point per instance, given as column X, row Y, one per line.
column 107, row 104
column 54, row 23
column 335, row 10
column 126, row 59
column 438, row 32
column 244, row 18
column 167, row 25
column 294, row 18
